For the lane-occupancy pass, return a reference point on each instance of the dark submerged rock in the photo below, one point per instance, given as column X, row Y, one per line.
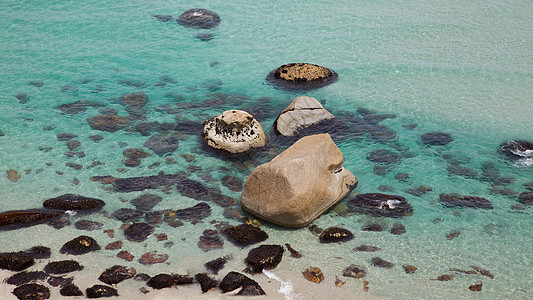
column 198, row 212
column 379, row 262
column 456, row 200
column 150, row 258
column 74, row 202
column 301, row 76
column 461, row 171
column 162, row 18
column 293, row 252
column 366, row 248
column 116, row 274
column 80, row 245
column 133, row 184
column 204, row 37
column 216, row 265
column 182, row 279
column 380, row 205
column 16, row 261
column 88, row 225
column 372, row 227
column 62, row 267
column 206, row 283
column 384, row 156
column 146, row 202
column 100, row 291
column 516, row 149
column 127, row 215
column 110, row 123
column 210, row 240
column 354, row 271
column 70, row 290
column 162, row 144
column 32, row 291
column 409, row 269
column 199, row 18
column 526, row 198
column 138, row 232
column 193, row 189
column 161, row 281
column 25, row 218
column 244, row 235
column 398, row 229
column 264, row 257
column 335, row 235
column 26, row 277
column 436, row 138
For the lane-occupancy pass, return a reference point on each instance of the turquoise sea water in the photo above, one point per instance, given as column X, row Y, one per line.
column 463, row 67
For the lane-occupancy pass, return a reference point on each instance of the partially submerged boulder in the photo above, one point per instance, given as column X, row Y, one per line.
column 380, row 205
column 234, row 131
column 517, row 149
column 62, row 267
column 234, row 280
column 74, row 202
column 300, row 184
column 25, row 218
column 244, row 235
column 117, row 274
column 80, row 245
column 303, row 112
column 199, row 18
column 264, row 257
column 301, row 76
column 16, row 261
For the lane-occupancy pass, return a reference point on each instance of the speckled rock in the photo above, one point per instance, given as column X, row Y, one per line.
column 16, row 261
column 62, row 267
column 335, row 235
column 100, row 291
column 32, row 291
column 244, row 235
column 264, row 257
column 80, row 245
column 234, row 131
column 301, row 76
column 117, row 274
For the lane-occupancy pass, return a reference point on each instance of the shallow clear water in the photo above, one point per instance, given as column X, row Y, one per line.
column 459, row 67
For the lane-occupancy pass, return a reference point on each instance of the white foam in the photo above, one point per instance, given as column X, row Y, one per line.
column 286, row 287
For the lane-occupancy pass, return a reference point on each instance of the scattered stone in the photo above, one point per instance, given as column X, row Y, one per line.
column 13, row 175
column 384, row 156
column 476, row 287
column 366, row 248
column 59, row 223
column 234, row 131
column 23, row 98
column 476, row 271
column 26, row 277
column 80, row 245
column 110, row 233
column 199, row 18
column 88, row 225
column 39, row 252
column 150, row 258
column 125, row 255
column 453, row 235
column 274, row 192
column 301, row 76
column 526, row 198
column 10, row 220
column 264, row 257
column 204, row 37
column 36, row 83
column 216, row 265
column 133, row 184
column 456, row 200
column 517, row 149
column 146, row 202
column 210, row 240
column 74, row 202
column 70, row 290
column 398, row 229
column 110, row 123
column 419, row 191
column 198, row 212
column 354, row 271
column 444, row 277
column 206, row 283
column 372, row 227
column 100, row 291
column 161, row 281
column 313, row 274
column 32, row 291
column 244, row 235
column 385, row 188
column 409, row 269
column 380, row 205
column 162, row 18
column 315, row 229
column 154, row 217
column 62, row 267
column 117, row 274
column 378, row 262
column 135, row 153
column 138, row 232
column 135, row 99
column 162, row 144
column 66, row 136
column 293, row 252
column 436, row 138
column 127, row 215
column 114, row 245
column 495, row 189
column 234, row 280
column 410, row 126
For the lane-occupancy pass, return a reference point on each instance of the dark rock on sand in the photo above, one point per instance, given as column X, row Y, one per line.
column 117, row 274
column 384, row 156
column 70, row 290
column 127, row 215
column 32, row 291
column 244, row 235
column 74, row 202
column 25, row 218
column 526, row 198
column 26, row 277
column 234, row 280
column 462, row 171
column 100, row 291
column 39, row 252
column 16, row 261
column 88, row 225
column 161, row 281
column 206, row 283
column 210, row 240
column 193, row 189
column 372, row 227
column 335, row 235
column 77, row 107
column 409, row 269
column 182, row 279
column 380, row 205
column 146, row 202
column 516, row 149
column 65, row 136
column 62, row 267
column 264, row 257
column 133, row 184
column 135, row 153
column 436, row 138
column 150, row 258
column 301, row 76
column 398, row 229
column 162, row 144
column 293, row 252
column 354, row 271
column 366, row 248
column 216, row 265
column 199, row 18
column 138, row 232
column 162, row 18
column 114, row 245
column 419, row 191
column 80, row 245
column 110, row 123
column 198, row 212
column 378, row 262
column 125, row 255
column 456, row 200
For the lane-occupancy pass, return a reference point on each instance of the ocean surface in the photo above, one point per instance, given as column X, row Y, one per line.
column 461, row 67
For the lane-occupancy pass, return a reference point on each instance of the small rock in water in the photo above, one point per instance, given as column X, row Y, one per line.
column 398, row 229
column 339, row 282
column 379, row 262
column 36, row 83
column 335, row 235
column 80, row 245
column 32, row 291
column 526, row 198
column 70, row 290
column 313, row 274
column 62, row 267
column 198, row 212
column 114, row 245
column 456, row 200
column 162, row 18
column 315, row 229
column 125, row 255
column 100, row 291
column 476, row 287
column 39, row 252
column 204, row 37
column 13, row 175
column 354, row 271
column 216, row 265
column 293, row 252
column 372, row 227
column 444, row 277
column 127, row 215
column 138, row 232
column 117, row 274
column 23, row 98
column 26, row 277
column 206, row 283
column 366, row 248
column 88, row 225
column 453, row 235
column 16, row 261
column 436, row 138
column 409, row 269
column 161, row 281
column 150, row 258
column 146, row 202
column 234, row 280
column 244, row 235
column 66, row 136
column 264, row 257
column 210, row 240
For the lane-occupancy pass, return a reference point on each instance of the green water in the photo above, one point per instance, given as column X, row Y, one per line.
column 459, row 67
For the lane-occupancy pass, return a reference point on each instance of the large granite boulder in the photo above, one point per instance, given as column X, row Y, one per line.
column 199, row 18
column 301, row 113
column 301, row 76
column 300, row 184
column 234, row 131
